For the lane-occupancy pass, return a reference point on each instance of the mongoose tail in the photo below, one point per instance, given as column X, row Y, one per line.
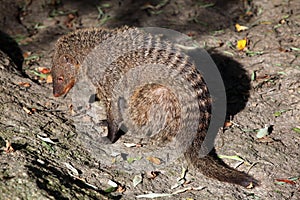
column 213, row 167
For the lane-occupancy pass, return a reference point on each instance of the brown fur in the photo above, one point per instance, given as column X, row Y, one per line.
column 70, row 52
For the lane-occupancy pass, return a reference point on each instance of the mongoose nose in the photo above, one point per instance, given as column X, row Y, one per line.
column 56, row 94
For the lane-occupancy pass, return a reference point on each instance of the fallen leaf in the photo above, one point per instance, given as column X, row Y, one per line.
column 278, row 113
column 262, row 132
column 153, row 195
column 110, row 189
column 296, row 129
column 46, row 139
column 112, row 183
column 130, row 144
column 121, row 189
column 40, row 161
column 26, row 54
column 240, row 28
column 152, row 174
column 228, row 124
column 91, row 185
column 113, row 188
column 27, row 110
column 24, row 84
column 261, row 77
column 253, row 53
column 266, row 140
column 137, row 179
column 295, row 49
column 241, row 44
column 250, row 186
column 284, row 181
column 105, row 5
column 131, row 160
column 8, row 148
column 69, row 21
column 49, row 79
column 44, row 70
column 281, row 49
column 32, row 57
column 154, row 160
column 253, row 76
column 72, row 169
column 40, row 75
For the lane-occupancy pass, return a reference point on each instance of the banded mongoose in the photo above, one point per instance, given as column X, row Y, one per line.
column 165, row 75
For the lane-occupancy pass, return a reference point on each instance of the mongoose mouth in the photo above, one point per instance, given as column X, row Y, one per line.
column 59, row 91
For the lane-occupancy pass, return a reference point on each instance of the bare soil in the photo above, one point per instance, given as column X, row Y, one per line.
column 262, row 84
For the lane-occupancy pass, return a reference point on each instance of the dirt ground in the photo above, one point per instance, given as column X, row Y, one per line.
column 262, row 84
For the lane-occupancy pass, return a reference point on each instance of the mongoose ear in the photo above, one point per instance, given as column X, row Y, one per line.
column 67, row 59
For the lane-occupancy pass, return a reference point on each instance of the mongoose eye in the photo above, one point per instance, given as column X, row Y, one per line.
column 67, row 59
column 60, row 79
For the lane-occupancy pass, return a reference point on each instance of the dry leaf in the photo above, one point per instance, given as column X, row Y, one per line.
column 27, row 110
column 152, row 174
column 279, row 181
column 8, row 147
column 112, row 183
column 72, row 169
column 139, row 145
column 91, row 185
column 153, row 195
column 46, row 139
column 24, row 84
column 137, row 179
column 250, row 186
column 241, row 44
column 240, row 28
column 44, row 70
column 265, row 140
column 228, row 124
column 121, row 189
column 266, row 76
column 130, row 144
column 263, row 132
column 69, row 21
column 49, row 79
column 27, row 54
column 154, row 160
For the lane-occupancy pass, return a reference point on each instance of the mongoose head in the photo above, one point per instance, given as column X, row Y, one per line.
column 64, row 72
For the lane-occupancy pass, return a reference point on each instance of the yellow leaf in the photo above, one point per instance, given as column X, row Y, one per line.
column 49, row 79
column 241, row 44
column 154, row 160
column 240, row 28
